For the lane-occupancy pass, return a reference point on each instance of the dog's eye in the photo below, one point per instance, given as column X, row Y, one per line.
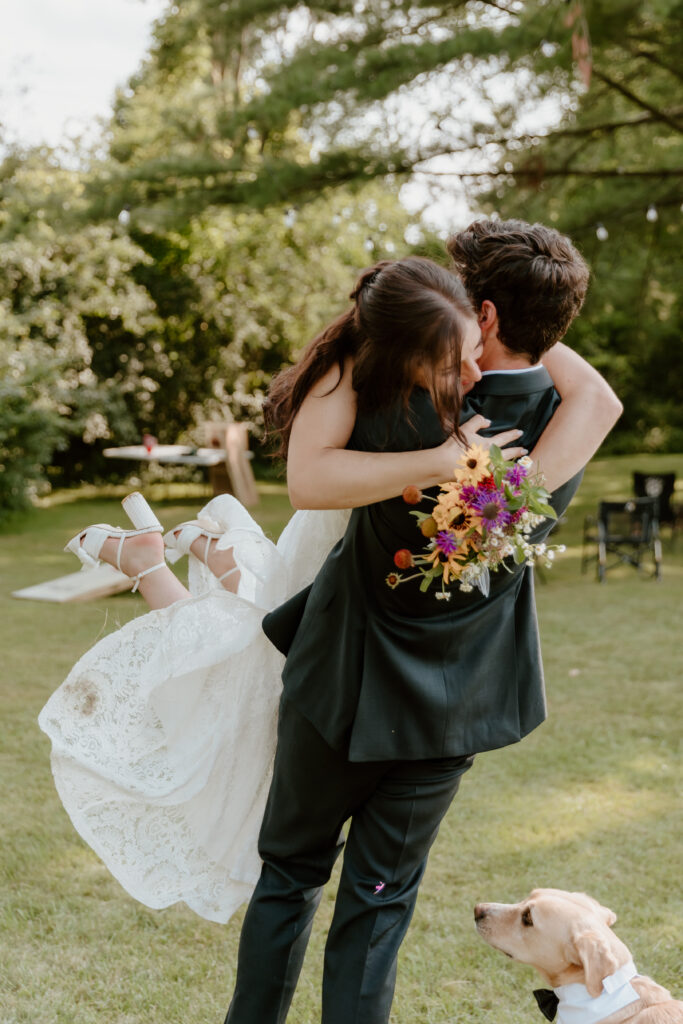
column 526, row 918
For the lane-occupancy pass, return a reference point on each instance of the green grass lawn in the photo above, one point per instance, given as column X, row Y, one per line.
column 588, row 802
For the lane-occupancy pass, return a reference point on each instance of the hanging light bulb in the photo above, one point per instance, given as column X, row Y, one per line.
column 602, row 232
column 290, row 217
column 124, row 217
column 652, row 214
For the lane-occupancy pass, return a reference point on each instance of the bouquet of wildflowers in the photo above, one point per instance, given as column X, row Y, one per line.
column 479, row 519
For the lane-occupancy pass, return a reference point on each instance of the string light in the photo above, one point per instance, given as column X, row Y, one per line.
column 124, row 217
column 601, row 231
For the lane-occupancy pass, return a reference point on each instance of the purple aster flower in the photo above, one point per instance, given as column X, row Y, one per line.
column 515, row 475
column 447, row 542
column 491, row 507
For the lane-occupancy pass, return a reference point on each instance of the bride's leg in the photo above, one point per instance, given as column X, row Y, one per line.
column 219, row 562
column 160, row 588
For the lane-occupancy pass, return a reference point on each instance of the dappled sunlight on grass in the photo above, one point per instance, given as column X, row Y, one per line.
column 581, row 814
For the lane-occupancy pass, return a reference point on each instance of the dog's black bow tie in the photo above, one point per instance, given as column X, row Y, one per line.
column 547, row 1002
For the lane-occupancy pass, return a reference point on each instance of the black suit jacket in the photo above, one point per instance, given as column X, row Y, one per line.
column 395, row 674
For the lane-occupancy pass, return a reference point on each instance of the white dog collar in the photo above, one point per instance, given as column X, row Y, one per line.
column 577, row 1006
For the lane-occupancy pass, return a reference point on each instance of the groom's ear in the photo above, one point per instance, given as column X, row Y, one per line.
column 488, row 315
column 487, row 319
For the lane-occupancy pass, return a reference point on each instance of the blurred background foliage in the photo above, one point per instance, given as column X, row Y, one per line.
column 253, row 164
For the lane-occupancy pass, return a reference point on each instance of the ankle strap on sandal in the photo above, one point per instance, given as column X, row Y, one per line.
column 145, row 572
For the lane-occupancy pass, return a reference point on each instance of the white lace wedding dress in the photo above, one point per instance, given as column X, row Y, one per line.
column 163, row 734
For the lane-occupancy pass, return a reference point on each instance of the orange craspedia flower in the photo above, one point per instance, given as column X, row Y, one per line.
column 403, row 559
column 412, row 495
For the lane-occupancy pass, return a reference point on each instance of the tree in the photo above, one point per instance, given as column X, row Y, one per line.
column 68, row 301
column 610, row 175
column 253, row 164
column 106, row 333
column 270, row 102
column 240, row 292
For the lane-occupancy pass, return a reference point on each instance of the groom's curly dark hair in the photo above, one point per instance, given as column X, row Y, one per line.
column 532, row 274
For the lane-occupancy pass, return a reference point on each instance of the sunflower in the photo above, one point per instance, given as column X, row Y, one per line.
column 451, row 568
column 453, row 515
column 442, row 516
column 447, row 554
column 473, row 465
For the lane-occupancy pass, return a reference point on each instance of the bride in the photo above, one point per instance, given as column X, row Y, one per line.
column 163, row 734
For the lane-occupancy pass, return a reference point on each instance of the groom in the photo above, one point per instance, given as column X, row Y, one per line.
column 531, row 285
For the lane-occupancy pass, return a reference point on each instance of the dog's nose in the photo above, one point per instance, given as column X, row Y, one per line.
column 479, row 912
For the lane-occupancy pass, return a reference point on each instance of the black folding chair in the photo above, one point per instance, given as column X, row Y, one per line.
column 661, row 487
column 627, row 530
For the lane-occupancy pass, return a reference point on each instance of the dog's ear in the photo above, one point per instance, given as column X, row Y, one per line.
column 608, row 916
column 592, row 952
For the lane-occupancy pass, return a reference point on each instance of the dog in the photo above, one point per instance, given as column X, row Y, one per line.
column 568, row 938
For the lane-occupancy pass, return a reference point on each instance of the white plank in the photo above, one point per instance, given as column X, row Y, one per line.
column 85, row 585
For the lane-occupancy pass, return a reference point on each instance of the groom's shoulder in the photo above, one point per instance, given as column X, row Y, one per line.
column 498, row 390
column 529, row 381
column 525, row 400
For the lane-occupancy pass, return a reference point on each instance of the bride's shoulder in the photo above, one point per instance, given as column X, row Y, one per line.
column 337, row 379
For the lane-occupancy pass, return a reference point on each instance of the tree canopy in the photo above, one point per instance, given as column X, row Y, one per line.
column 252, row 165
column 610, row 175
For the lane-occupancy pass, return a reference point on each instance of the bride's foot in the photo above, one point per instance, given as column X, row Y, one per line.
column 220, row 562
column 201, row 538
column 138, row 552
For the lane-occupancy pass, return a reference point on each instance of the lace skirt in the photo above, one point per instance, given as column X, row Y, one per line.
column 163, row 734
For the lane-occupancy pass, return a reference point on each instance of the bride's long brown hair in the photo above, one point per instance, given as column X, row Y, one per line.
column 406, row 323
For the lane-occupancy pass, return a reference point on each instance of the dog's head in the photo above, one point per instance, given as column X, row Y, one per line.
column 565, row 935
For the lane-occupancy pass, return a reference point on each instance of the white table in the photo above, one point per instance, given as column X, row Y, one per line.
column 229, row 470
column 178, row 454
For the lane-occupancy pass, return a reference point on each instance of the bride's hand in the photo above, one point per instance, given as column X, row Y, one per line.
column 452, row 448
column 471, row 431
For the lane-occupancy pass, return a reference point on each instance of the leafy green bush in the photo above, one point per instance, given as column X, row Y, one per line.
column 29, row 433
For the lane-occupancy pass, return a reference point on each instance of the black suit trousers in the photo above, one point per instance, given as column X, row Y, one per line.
column 395, row 809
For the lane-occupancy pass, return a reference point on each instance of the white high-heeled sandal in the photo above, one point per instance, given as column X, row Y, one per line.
column 180, row 539
column 87, row 544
